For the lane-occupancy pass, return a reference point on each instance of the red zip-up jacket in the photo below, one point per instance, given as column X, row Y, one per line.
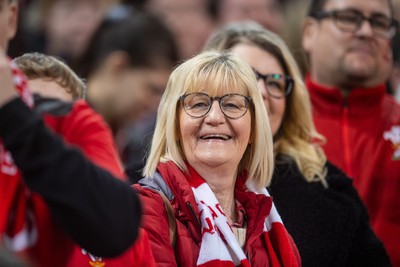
column 188, row 228
column 363, row 139
column 71, row 188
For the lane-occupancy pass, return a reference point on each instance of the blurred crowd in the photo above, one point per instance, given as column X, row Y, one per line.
column 64, row 28
column 69, row 29
column 120, row 55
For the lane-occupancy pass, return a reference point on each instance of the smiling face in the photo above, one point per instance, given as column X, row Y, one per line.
column 348, row 59
column 264, row 63
column 214, row 140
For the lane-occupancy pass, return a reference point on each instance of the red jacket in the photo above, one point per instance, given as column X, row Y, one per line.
column 45, row 243
column 363, row 139
column 138, row 255
column 188, row 233
column 93, row 138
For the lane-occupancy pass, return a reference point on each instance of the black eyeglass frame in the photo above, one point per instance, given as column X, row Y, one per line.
column 324, row 14
column 288, row 79
column 248, row 100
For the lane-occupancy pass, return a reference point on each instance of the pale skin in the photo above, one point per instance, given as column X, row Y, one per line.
column 213, row 158
column 264, row 63
column 348, row 60
column 188, row 20
column 8, row 22
column 8, row 91
column 123, row 93
column 49, row 89
column 265, row 12
column 8, row 27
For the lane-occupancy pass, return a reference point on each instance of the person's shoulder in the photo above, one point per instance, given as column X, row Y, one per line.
column 336, row 177
column 69, row 110
column 84, row 116
column 336, row 174
column 341, row 185
column 391, row 110
column 148, row 195
column 286, row 173
column 82, row 109
column 154, row 212
column 51, row 107
column 285, row 166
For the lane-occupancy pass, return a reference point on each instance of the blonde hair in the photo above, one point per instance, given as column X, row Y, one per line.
column 214, row 73
column 37, row 65
column 296, row 137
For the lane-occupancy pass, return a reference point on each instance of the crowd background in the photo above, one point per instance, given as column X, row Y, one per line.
column 64, row 28
column 68, row 28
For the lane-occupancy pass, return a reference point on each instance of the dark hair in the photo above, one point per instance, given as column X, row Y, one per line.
column 142, row 36
column 396, row 49
column 318, row 5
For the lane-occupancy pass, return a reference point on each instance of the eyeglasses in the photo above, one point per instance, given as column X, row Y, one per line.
column 233, row 106
column 277, row 85
column 350, row 20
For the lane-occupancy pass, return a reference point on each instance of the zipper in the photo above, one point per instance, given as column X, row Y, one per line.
column 248, row 255
column 345, row 138
column 190, row 207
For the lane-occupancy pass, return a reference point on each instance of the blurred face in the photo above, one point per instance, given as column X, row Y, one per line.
column 264, row 63
column 8, row 22
column 49, row 89
column 214, row 140
column 265, row 12
column 70, row 24
column 188, row 20
column 138, row 93
column 348, row 59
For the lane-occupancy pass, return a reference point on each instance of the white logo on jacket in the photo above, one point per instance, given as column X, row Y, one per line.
column 6, row 162
column 94, row 261
column 393, row 135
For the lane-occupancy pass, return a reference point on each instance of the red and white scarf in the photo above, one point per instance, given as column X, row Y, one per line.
column 220, row 247
column 11, row 208
column 6, row 163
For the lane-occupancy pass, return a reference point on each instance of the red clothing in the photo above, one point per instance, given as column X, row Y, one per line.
column 138, row 255
column 86, row 130
column 24, row 215
column 363, row 139
column 188, row 233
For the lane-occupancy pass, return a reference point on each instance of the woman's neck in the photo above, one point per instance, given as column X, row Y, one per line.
column 222, row 183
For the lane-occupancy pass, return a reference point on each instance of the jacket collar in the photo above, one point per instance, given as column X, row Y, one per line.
column 257, row 207
column 329, row 100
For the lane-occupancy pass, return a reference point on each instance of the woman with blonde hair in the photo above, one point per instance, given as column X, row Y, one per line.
column 318, row 203
column 211, row 158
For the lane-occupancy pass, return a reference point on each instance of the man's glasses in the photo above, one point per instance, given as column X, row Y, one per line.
column 350, row 20
column 277, row 85
column 233, row 106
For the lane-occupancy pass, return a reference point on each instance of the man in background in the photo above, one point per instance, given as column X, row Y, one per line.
column 348, row 43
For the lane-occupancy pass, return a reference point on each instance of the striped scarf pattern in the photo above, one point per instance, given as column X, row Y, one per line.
column 220, row 247
column 13, row 211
